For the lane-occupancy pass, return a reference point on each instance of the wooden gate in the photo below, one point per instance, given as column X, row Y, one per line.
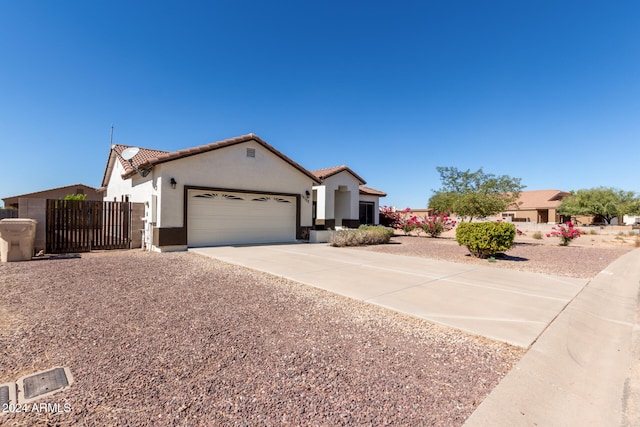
column 82, row 225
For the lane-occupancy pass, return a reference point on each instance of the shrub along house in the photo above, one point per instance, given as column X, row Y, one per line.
column 236, row 191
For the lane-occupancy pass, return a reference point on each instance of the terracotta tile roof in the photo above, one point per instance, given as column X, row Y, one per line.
column 325, row 173
column 372, row 191
column 146, row 158
column 541, row 199
column 143, row 156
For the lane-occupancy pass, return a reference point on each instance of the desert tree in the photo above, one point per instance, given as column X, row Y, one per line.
column 474, row 194
column 606, row 202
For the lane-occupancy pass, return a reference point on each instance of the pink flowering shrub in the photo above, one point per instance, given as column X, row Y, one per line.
column 410, row 224
column 435, row 225
column 390, row 217
column 566, row 232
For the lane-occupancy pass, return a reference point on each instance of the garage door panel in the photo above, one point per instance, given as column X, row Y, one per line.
column 217, row 218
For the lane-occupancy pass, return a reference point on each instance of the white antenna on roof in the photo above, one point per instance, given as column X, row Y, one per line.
column 111, row 137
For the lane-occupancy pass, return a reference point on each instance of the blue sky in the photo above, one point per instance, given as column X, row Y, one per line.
column 546, row 91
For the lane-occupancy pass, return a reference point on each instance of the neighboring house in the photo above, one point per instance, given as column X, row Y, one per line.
column 55, row 193
column 539, row 206
column 419, row 212
column 236, row 191
column 342, row 199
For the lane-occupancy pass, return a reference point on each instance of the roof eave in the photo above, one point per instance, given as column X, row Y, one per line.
column 181, row 154
column 341, row 169
column 108, row 168
column 377, row 194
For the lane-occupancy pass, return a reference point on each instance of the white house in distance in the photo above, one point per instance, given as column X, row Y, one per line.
column 236, row 191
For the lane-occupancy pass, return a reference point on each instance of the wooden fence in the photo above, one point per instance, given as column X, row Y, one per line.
column 82, row 225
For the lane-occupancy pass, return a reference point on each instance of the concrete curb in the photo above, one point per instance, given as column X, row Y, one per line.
column 584, row 369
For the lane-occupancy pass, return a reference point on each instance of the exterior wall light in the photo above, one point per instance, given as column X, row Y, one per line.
column 173, row 183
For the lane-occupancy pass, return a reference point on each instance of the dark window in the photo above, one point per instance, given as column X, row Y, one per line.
column 366, row 212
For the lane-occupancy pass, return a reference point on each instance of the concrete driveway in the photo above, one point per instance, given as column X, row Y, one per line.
column 505, row 305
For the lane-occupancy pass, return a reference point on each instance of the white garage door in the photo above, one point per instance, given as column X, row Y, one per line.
column 222, row 218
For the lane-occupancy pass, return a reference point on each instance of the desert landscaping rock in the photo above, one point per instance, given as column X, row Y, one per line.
column 179, row 339
column 584, row 258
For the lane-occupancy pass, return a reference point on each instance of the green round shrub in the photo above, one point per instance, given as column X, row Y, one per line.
column 484, row 239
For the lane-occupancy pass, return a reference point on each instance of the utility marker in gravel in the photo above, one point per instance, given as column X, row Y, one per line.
column 505, row 305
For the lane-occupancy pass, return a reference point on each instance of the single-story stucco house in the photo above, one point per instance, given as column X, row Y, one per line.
column 236, row 191
column 539, row 206
column 90, row 193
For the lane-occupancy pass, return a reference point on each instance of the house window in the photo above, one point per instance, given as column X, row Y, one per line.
column 366, row 212
column 251, row 152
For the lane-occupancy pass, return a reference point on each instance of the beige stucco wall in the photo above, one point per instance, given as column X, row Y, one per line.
column 138, row 188
column 320, row 197
column 532, row 214
column 35, row 209
column 343, row 206
column 350, row 196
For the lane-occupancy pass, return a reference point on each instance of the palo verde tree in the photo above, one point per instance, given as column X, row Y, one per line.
column 606, row 202
column 474, row 194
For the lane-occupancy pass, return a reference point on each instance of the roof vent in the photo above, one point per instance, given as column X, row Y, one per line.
column 251, row 152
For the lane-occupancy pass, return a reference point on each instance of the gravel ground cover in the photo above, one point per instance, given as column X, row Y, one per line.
column 585, row 257
column 179, row 339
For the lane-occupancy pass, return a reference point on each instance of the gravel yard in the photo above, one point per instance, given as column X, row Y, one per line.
column 179, row 339
column 585, row 257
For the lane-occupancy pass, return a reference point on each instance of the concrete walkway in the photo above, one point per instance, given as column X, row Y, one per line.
column 505, row 305
column 583, row 367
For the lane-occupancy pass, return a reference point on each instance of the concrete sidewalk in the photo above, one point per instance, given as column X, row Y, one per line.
column 585, row 368
column 505, row 305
